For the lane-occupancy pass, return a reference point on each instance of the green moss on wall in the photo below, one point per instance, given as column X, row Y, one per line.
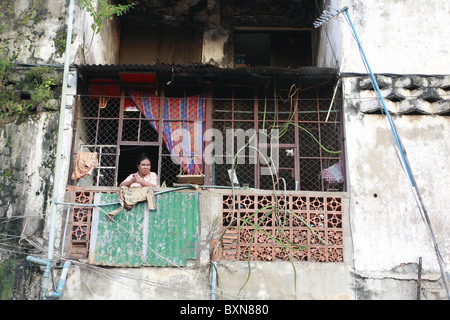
column 7, row 271
column 27, row 91
column 19, row 280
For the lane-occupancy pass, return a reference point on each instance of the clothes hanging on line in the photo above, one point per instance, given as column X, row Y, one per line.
column 85, row 162
column 333, row 174
column 129, row 197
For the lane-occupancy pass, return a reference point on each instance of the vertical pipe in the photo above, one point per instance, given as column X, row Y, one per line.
column 65, row 230
column 57, row 172
column 62, row 281
column 213, row 279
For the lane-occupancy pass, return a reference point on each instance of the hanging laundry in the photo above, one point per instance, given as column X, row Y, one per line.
column 333, row 174
column 84, row 164
column 128, row 197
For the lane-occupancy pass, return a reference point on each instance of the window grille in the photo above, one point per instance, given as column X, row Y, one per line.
column 80, row 225
column 291, row 227
column 310, row 139
column 97, row 129
column 309, row 125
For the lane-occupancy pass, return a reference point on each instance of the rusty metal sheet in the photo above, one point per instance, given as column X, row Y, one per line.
column 167, row 236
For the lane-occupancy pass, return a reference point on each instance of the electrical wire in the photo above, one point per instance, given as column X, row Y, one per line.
column 160, row 255
column 113, row 274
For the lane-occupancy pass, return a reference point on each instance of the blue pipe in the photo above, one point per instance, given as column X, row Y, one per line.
column 62, row 281
column 31, row 259
column 386, row 111
column 213, row 279
column 51, row 239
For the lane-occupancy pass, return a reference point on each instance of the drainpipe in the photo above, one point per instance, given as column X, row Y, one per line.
column 57, row 173
column 62, row 281
column 213, row 280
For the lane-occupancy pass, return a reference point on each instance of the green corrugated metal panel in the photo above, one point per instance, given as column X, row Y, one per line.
column 167, row 236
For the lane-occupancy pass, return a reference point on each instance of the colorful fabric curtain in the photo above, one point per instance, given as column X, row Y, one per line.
column 183, row 126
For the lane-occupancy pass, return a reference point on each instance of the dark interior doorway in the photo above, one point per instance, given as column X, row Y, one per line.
column 128, row 156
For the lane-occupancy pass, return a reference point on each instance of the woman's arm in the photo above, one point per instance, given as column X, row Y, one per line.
column 150, row 181
column 128, row 181
column 136, row 178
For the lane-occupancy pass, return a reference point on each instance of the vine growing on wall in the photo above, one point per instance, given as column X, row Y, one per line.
column 103, row 12
column 31, row 91
column 26, row 91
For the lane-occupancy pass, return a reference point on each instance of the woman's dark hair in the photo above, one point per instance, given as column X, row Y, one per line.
column 143, row 156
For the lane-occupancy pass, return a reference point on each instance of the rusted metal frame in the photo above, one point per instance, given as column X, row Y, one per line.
column 138, row 138
column 297, row 143
column 98, row 116
column 341, row 126
column 132, row 143
column 160, row 129
column 232, row 134
column 322, row 121
column 119, row 134
column 208, row 126
column 75, row 128
column 314, row 158
column 256, row 168
column 319, row 138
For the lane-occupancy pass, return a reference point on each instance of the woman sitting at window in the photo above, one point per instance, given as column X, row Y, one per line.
column 144, row 177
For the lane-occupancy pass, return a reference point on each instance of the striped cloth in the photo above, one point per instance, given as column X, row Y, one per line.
column 183, row 126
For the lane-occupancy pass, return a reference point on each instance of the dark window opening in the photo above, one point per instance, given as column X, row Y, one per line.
column 276, row 48
column 142, row 44
column 128, row 156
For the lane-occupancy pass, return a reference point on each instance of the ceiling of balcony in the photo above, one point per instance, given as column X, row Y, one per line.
column 258, row 13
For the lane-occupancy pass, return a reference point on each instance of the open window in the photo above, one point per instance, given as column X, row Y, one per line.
column 114, row 128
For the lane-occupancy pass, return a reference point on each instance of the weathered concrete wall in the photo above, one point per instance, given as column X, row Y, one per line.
column 381, row 198
column 28, row 148
column 328, row 47
column 19, row 280
column 27, row 155
column 393, row 276
column 31, row 29
column 268, row 280
column 402, row 37
column 35, row 33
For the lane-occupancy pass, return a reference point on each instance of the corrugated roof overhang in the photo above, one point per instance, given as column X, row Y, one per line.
column 206, row 74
